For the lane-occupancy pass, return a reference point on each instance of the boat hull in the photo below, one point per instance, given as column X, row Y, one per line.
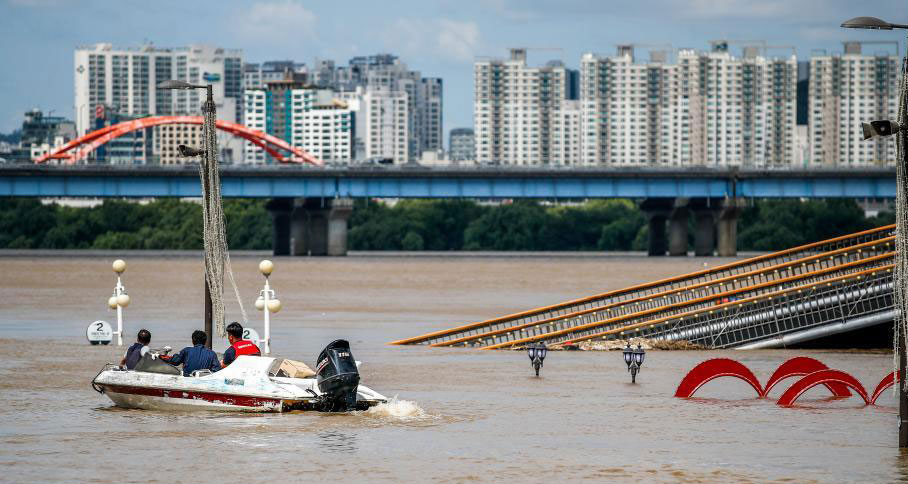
column 179, row 400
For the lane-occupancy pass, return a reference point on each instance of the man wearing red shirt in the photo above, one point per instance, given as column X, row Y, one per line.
column 238, row 345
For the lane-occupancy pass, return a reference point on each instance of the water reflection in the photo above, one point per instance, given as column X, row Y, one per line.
column 335, row 441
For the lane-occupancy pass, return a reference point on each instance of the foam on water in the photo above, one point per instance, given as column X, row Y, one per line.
column 397, row 408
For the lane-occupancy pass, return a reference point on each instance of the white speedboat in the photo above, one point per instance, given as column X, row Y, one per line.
column 249, row 384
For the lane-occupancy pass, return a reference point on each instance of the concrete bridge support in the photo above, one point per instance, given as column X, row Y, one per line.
column 677, row 228
column 310, row 226
column 704, row 226
column 657, row 211
column 727, row 226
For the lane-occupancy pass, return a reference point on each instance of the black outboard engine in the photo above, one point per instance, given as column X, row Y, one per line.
column 337, row 377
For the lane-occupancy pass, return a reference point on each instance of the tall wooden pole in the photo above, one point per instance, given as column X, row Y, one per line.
column 209, row 111
column 209, row 330
column 902, row 140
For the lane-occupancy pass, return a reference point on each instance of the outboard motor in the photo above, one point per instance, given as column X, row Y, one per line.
column 337, row 377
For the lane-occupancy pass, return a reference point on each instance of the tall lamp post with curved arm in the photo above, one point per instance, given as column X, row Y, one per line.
column 879, row 128
column 209, row 154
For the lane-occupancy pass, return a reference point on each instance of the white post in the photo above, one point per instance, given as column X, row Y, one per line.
column 267, row 341
column 119, row 290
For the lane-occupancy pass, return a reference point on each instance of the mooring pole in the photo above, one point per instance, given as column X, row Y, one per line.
column 902, row 140
column 208, row 327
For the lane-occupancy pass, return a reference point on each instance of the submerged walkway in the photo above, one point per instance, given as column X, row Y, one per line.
column 794, row 295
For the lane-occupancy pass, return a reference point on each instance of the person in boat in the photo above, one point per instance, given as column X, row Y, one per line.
column 238, row 345
column 138, row 349
column 195, row 357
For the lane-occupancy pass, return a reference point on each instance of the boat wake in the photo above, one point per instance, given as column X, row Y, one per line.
column 396, row 408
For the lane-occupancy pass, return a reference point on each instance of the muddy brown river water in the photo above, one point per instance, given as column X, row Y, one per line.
column 461, row 415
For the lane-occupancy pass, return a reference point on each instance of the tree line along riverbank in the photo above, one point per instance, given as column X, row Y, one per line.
column 438, row 225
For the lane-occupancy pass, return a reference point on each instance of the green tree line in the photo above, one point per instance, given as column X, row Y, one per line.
column 440, row 225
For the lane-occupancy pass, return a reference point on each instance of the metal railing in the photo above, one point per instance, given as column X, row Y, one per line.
column 718, row 305
column 757, row 270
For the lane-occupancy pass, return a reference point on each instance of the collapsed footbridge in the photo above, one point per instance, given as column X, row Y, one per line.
column 773, row 300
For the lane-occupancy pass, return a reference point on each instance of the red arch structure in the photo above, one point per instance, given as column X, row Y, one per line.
column 712, row 369
column 818, row 378
column 802, row 366
column 91, row 141
column 885, row 383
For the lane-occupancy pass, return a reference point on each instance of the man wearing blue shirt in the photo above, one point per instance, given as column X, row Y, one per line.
column 195, row 357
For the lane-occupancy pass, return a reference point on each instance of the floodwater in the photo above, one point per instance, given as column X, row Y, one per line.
column 461, row 415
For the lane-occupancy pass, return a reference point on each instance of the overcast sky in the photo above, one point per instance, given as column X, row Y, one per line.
column 437, row 37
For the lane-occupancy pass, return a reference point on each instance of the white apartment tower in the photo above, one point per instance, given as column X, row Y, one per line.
column 629, row 110
column 385, row 124
column 846, row 90
column 514, row 110
column 125, row 80
column 307, row 118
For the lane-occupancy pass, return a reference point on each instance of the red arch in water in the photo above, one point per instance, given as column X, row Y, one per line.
column 801, row 366
column 818, row 378
column 885, row 383
column 712, row 369
column 91, row 141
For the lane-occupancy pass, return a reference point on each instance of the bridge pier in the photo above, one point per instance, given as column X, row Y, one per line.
column 310, row 226
column 704, row 226
column 657, row 211
column 727, row 226
column 677, row 228
column 280, row 210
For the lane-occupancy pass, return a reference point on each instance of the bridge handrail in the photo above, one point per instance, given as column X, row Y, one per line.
column 845, row 277
column 691, row 302
column 638, row 287
column 649, row 297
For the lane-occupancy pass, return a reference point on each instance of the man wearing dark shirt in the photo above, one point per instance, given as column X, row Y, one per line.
column 137, row 350
column 238, row 345
column 195, row 357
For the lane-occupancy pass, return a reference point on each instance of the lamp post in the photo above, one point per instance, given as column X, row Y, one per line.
column 268, row 303
column 209, row 154
column 119, row 299
column 537, row 355
column 886, row 128
column 633, row 358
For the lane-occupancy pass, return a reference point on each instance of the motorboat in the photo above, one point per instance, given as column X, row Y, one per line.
column 249, row 384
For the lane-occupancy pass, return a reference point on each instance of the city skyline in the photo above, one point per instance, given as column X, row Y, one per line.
column 440, row 39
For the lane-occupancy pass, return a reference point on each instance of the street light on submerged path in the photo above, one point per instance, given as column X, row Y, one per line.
column 883, row 128
column 208, row 156
column 633, row 357
column 537, row 355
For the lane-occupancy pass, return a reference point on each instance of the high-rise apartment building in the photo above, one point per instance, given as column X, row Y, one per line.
column 710, row 109
column 845, row 90
column 256, row 75
column 308, row 118
column 125, row 80
column 385, row 124
column 515, row 108
column 462, row 145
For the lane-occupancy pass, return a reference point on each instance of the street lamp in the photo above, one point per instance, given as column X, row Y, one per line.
column 209, row 159
column 633, row 358
column 268, row 303
column 120, row 299
column 537, row 355
column 886, row 128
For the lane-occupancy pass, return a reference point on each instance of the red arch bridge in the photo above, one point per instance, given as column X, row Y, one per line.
column 79, row 148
